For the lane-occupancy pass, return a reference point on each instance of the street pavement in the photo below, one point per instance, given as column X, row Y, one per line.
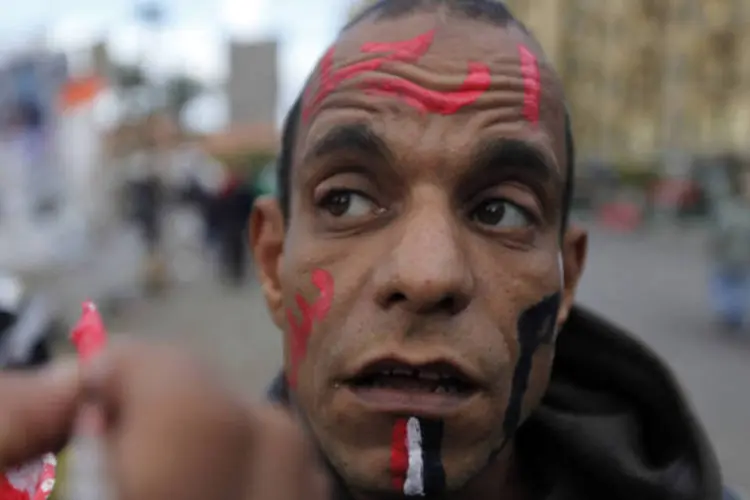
column 651, row 283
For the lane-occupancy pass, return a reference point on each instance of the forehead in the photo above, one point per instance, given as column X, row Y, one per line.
column 437, row 63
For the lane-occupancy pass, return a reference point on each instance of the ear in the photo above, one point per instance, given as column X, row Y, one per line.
column 574, row 249
column 267, row 241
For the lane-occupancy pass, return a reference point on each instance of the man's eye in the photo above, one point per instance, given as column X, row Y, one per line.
column 501, row 213
column 347, row 203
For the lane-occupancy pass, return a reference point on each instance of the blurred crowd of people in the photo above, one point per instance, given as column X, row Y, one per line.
column 185, row 192
column 730, row 252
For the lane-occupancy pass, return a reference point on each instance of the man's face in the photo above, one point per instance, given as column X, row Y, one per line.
column 420, row 281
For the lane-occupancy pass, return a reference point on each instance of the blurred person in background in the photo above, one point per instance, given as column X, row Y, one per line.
column 194, row 179
column 146, row 200
column 28, row 326
column 206, row 183
column 730, row 253
column 234, row 204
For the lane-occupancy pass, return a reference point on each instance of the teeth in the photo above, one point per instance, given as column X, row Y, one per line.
column 430, row 376
column 402, row 372
column 445, row 389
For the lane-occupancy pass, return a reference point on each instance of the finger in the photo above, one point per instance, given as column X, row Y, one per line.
column 37, row 411
column 167, row 421
column 131, row 370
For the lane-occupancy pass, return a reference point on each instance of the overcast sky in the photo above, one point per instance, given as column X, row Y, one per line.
column 194, row 33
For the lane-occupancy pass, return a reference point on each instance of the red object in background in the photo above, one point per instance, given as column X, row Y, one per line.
column 32, row 481
column 622, row 216
column 676, row 193
column 231, row 183
column 89, row 335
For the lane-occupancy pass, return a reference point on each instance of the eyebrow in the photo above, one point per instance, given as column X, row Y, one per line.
column 355, row 137
column 519, row 158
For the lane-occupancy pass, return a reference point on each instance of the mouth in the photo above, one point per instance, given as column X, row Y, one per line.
column 394, row 385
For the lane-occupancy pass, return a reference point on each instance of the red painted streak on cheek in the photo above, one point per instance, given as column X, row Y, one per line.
column 406, row 51
column 531, row 83
column 310, row 314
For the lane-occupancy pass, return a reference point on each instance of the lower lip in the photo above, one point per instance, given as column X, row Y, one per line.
column 409, row 402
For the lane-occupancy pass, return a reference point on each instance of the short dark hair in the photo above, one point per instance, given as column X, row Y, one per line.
column 487, row 10
column 492, row 11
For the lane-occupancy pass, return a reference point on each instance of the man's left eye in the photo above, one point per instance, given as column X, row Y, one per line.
column 501, row 213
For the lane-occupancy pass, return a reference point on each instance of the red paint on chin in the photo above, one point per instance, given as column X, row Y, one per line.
column 424, row 100
column 399, row 455
column 309, row 313
column 531, row 83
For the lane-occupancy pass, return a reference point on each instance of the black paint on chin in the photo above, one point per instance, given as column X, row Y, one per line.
column 536, row 327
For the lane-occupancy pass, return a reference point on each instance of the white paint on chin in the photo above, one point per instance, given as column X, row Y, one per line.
column 414, row 484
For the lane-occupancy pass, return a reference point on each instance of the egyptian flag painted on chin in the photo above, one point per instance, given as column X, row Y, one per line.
column 416, row 465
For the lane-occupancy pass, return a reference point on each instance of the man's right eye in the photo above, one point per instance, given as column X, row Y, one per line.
column 344, row 202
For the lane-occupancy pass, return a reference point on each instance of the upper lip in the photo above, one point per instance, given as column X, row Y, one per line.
column 427, row 366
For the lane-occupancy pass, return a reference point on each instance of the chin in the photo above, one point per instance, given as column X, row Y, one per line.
column 385, row 452
column 370, row 472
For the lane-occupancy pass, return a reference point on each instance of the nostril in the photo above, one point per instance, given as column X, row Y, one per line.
column 396, row 298
column 447, row 304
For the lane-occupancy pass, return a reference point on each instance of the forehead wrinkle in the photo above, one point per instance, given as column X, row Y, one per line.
column 502, row 48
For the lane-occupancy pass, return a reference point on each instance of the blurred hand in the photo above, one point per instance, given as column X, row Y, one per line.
column 36, row 411
column 172, row 431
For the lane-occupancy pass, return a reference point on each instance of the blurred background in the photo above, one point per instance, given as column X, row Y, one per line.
column 134, row 137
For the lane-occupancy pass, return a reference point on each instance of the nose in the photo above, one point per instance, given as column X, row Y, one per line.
column 426, row 272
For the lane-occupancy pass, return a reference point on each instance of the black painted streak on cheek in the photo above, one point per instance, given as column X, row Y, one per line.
column 536, row 326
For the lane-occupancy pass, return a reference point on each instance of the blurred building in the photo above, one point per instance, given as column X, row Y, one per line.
column 30, row 82
column 646, row 77
column 252, row 88
column 252, row 95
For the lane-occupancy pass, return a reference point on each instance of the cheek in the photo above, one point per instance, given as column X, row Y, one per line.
column 304, row 314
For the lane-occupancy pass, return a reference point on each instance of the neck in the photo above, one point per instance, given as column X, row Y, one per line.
column 499, row 479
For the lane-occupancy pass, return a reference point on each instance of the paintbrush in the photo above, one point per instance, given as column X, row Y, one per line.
column 87, row 475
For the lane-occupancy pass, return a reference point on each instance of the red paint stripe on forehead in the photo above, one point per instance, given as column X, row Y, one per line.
column 531, row 83
column 476, row 83
column 325, row 85
column 405, row 50
column 399, row 455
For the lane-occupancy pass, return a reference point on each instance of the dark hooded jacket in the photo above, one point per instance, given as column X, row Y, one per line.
column 613, row 425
